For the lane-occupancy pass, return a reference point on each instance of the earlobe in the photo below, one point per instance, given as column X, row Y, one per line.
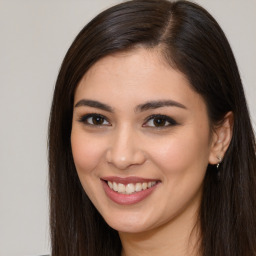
column 221, row 138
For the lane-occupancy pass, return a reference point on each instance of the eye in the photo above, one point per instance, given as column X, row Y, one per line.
column 94, row 119
column 159, row 121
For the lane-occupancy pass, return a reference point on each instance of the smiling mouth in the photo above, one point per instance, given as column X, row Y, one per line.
column 130, row 188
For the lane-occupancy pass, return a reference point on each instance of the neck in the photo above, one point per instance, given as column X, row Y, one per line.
column 179, row 237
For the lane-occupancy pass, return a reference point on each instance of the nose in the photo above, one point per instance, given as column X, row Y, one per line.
column 125, row 149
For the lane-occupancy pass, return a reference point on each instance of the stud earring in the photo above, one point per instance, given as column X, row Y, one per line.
column 218, row 164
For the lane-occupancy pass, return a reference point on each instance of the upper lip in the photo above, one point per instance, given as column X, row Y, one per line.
column 127, row 180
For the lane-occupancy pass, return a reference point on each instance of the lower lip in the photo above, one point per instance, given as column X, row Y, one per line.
column 126, row 199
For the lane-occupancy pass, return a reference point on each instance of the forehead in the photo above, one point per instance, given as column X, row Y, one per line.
column 138, row 63
column 133, row 77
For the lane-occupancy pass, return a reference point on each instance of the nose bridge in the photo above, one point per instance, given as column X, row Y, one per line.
column 124, row 149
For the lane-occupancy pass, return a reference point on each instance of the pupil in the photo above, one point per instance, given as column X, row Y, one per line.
column 97, row 120
column 159, row 122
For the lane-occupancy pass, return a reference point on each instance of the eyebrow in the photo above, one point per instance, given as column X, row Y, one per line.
column 159, row 104
column 139, row 108
column 94, row 104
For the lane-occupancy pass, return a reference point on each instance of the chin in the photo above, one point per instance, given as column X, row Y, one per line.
column 129, row 223
column 128, row 227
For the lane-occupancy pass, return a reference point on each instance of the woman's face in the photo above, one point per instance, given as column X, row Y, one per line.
column 141, row 141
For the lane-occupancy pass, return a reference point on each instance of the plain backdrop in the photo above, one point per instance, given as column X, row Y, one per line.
column 34, row 37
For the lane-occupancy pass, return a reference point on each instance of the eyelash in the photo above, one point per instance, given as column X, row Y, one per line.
column 84, row 119
column 163, row 118
column 160, row 117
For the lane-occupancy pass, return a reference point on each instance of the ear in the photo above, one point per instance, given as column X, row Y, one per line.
column 221, row 138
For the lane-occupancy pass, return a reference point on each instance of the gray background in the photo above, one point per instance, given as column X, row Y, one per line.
column 35, row 36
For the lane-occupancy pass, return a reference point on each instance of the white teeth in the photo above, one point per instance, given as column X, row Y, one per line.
column 138, row 187
column 110, row 184
column 121, row 188
column 130, row 188
column 144, row 185
column 115, row 188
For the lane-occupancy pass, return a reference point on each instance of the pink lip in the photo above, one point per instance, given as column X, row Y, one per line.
column 125, row 199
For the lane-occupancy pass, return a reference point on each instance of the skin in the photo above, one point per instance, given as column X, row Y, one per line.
column 126, row 143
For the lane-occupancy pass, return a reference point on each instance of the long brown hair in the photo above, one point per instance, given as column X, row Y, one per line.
column 192, row 42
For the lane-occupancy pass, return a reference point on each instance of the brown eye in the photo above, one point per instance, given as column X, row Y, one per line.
column 158, row 122
column 94, row 120
column 97, row 120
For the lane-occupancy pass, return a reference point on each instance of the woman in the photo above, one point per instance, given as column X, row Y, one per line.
column 151, row 149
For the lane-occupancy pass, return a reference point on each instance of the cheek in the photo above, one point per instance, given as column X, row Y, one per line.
column 187, row 153
column 87, row 152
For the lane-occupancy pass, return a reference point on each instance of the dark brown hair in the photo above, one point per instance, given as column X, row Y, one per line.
column 192, row 42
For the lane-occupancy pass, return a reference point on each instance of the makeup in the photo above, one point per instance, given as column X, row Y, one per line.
column 130, row 190
column 140, row 141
